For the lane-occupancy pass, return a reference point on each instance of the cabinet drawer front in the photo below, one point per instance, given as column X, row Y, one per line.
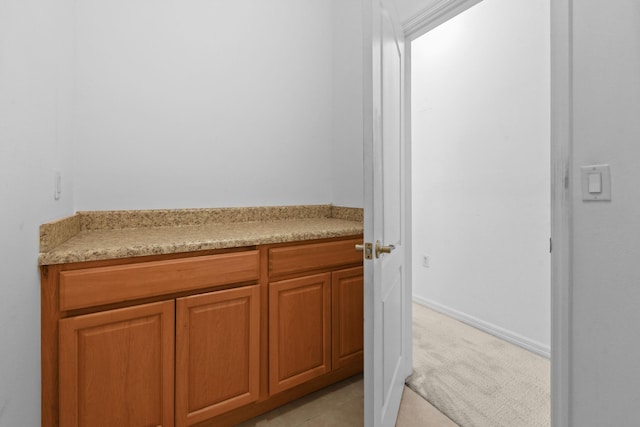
column 106, row 285
column 302, row 258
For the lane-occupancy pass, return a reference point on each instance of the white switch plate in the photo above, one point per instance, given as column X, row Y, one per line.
column 57, row 184
column 588, row 174
column 426, row 261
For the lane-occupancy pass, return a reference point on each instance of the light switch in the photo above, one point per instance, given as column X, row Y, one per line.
column 596, row 182
column 57, row 185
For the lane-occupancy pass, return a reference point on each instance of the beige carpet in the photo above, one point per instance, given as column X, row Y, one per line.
column 474, row 378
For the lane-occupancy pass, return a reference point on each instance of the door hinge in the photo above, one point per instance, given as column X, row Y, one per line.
column 550, row 245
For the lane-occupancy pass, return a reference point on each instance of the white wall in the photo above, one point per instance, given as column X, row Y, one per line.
column 35, row 120
column 203, row 104
column 35, row 130
column 218, row 104
column 606, row 235
column 158, row 105
column 481, row 202
column 347, row 158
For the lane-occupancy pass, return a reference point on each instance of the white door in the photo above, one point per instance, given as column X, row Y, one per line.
column 387, row 295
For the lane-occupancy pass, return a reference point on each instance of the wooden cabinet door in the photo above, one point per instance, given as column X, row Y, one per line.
column 217, row 353
column 347, row 299
column 299, row 330
column 116, row 367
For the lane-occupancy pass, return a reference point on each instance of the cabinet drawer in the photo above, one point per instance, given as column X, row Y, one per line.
column 303, row 258
column 106, row 285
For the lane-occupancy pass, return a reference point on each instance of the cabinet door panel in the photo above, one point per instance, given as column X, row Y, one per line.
column 218, row 353
column 116, row 368
column 347, row 295
column 299, row 330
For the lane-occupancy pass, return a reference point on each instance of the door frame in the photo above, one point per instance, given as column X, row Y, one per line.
column 560, row 192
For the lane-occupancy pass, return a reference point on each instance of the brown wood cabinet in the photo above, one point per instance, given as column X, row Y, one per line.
column 299, row 330
column 315, row 320
column 217, row 353
column 116, row 367
column 208, row 339
column 347, row 296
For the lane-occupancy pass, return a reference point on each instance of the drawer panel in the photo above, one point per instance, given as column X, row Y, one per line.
column 106, row 285
column 303, row 258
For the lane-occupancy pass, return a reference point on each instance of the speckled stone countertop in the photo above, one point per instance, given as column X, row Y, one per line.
column 90, row 236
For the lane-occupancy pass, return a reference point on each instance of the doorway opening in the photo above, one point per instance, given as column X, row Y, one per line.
column 480, row 152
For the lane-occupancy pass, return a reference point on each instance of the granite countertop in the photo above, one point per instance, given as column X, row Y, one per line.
column 101, row 235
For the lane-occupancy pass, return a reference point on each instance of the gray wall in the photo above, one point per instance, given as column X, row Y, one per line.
column 606, row 287
column 481, row 171
column 200, row 103
column 149, row 105
column 36, row 52
column 606, row 268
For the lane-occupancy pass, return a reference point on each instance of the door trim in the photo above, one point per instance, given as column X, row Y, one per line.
column 560, row 191
column 434, row 15
column 561, row 210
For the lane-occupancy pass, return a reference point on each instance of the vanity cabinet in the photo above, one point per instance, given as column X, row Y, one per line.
column 150, row 342
column 315, row 320
column 209, row 338
column 117, row 366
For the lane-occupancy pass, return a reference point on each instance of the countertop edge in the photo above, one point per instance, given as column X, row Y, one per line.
column 97, row 254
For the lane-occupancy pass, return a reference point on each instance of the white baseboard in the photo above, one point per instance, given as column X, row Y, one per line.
column 497, row 331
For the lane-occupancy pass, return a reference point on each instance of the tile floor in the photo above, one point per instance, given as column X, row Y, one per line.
column 342, row 405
